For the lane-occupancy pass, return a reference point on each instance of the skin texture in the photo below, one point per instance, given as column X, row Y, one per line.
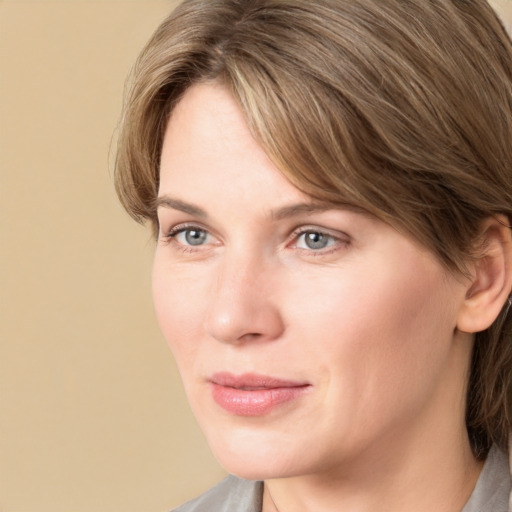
column 369, row 323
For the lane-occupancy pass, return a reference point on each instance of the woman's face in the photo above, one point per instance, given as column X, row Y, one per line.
column 306, row 336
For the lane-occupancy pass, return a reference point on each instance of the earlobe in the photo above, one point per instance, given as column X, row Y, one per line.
column 491, row 283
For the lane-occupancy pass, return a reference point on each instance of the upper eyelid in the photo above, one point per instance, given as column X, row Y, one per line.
column 317, row 229
column 293, row 234
column 339, row 236
column 169, row 237
column 183, row 226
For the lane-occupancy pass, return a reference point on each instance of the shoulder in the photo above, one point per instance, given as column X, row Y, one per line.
column 231, row 495
column 492, row 490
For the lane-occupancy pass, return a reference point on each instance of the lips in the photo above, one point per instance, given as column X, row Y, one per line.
column 253, row 395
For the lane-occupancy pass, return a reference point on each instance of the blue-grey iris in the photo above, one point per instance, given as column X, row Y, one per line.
column 195, row 236
column 315, row 240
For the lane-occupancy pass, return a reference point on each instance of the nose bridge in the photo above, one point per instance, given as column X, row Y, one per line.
column 240, row 272
column 241, row 305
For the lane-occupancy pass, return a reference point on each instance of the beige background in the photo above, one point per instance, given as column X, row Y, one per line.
column 92, row 415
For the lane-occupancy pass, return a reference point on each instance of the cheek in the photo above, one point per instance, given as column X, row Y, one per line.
column 178, row 308
column 403, row 356
column 378, row 329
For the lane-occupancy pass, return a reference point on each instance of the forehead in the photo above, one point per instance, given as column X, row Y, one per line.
column 208, row 146
column 209, row 157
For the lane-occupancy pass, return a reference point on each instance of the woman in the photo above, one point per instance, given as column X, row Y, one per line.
column 330, row 186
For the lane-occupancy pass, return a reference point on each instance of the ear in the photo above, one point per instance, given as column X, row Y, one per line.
column 491, row 282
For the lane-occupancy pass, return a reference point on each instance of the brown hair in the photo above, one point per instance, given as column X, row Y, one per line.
column 403, row 107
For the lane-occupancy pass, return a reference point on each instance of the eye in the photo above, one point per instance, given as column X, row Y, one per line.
column 314, row 240
column 191, row 236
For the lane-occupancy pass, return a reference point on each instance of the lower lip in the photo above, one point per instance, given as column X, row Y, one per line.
column 257, row 402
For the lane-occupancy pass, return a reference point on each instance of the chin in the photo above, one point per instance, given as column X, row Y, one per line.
column 256, row 455
column 261, row 468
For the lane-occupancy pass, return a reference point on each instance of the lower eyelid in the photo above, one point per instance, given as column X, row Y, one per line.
column 336, row 241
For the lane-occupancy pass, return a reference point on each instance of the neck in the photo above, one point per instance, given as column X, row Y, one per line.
column 398, row 482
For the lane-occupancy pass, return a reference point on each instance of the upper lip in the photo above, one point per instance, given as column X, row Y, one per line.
column 252, row 381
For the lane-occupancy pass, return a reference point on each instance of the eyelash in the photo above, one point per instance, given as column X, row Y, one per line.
column 295, row 236
column 337, row 241
column 170, row 236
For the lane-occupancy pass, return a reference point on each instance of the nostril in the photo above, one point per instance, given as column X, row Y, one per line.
column 244, row 323
column 251, row 336
column 241, row 308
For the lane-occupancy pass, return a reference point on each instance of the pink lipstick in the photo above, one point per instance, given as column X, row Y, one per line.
column 253, row 395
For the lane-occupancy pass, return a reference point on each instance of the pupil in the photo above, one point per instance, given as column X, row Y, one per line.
column 316, row 240
column 195, row 237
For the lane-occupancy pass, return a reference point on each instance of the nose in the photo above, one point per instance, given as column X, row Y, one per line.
column 243, row 304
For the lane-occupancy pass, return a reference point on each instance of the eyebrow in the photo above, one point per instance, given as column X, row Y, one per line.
column 284, row 212
column 311, row 208
column 177, row 204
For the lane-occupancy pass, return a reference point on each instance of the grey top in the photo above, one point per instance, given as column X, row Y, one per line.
column 231, row 495
column 236, row 495
column 491, row 493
